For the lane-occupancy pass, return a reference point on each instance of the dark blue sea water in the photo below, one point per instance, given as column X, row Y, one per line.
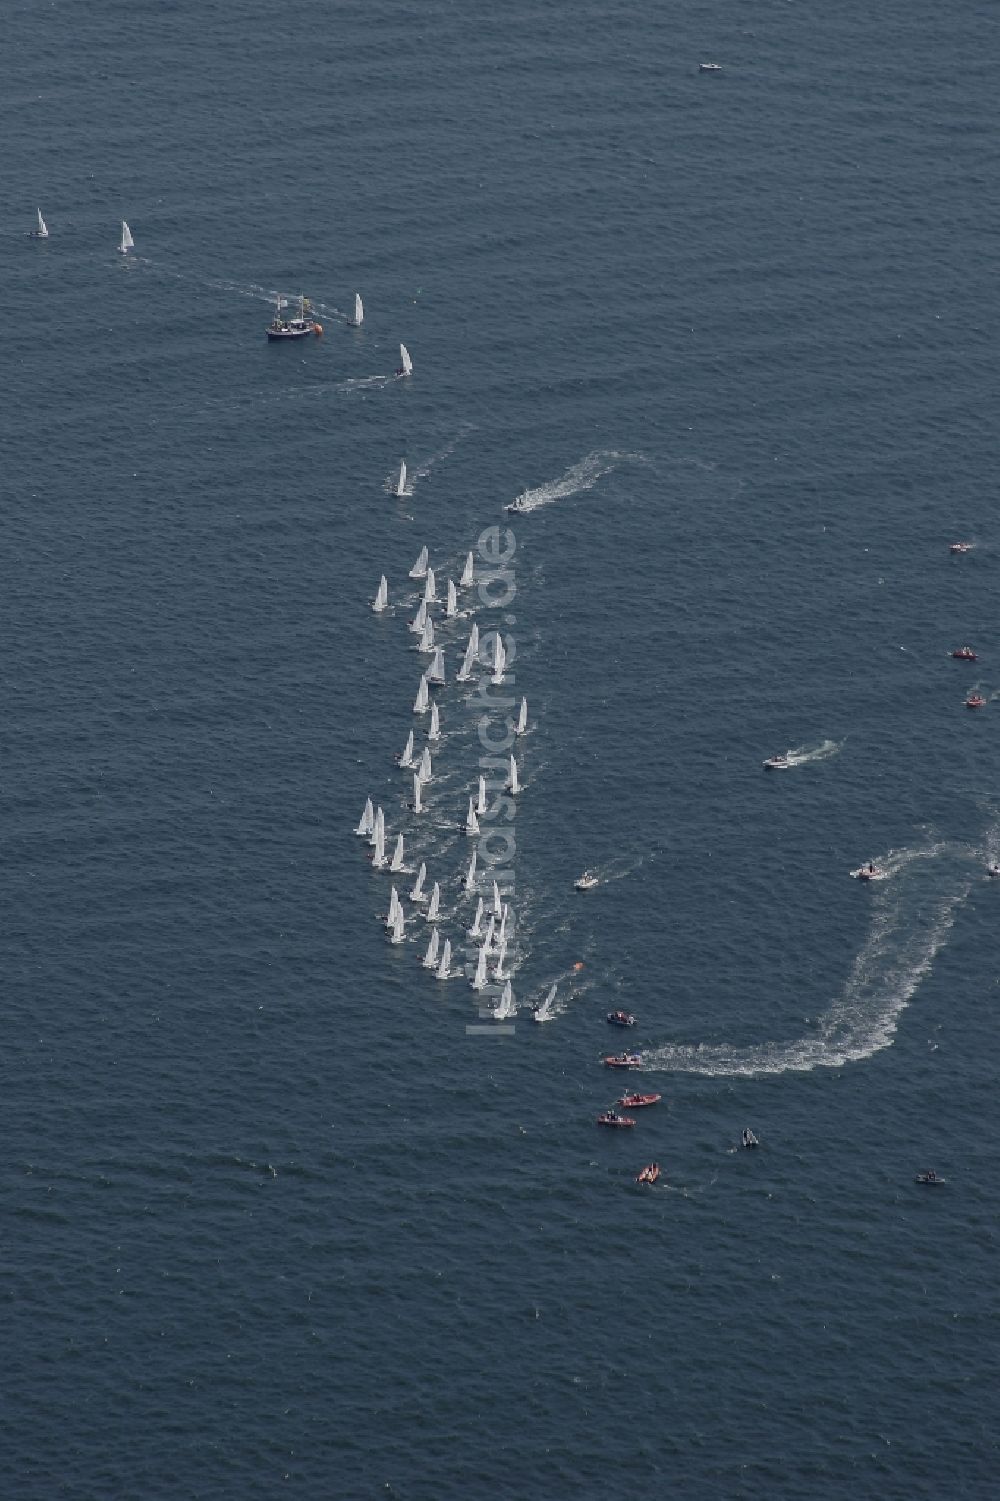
column 274, row 1222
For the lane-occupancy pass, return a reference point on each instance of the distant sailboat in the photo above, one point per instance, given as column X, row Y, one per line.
column 381, row 600
column 468, row 572
column 499, row 662
column 395, row 907
column 479, row 981
column 401, row 482
column 497, row 903
column 418, row 806
column 406, row 759
column 434, row 905
column 418, row 894
column 420, row 619
column 424, row 770
column 430, row 958
column 451, row 607
column 398, row 933
column 405, row 363
column 506, row 1006
column 470, row 875
column 127, row 243
column 419, row 569
column 471, row 654
column 42, row 230
column 444, row 971
column 491, row 930
column 378, row 857
column 434, row 733
column 359, row 311
column 499, row 973
column 435, row 672
column 422, row 700
column 378, row 826
column 367, row 822
column 397, row 855
column 476, row 930
column 513, row 785
column 426, row 642
column 522, row 718
column 430, row 588
column 481, row 804
column 471, row 821
column 544, row 1012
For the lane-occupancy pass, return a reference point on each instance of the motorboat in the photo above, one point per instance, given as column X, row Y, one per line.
column 930, row 1177
column 621, row 1018
column 748, row 1139
column 965, row 654
column 960, row 547
column 519, row 506
column 869, row 872
column 776, row 763
column 623, row 1060
column 649, row 1173
column 299, row 327
column 638, row 1101
column 709, row 67
column 587, row 881
column 613, row 1119
column 975, row 701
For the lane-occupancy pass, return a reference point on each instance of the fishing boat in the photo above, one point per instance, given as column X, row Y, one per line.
column 127, row 243
column 869, row 872
column 616, row 1121
column 41, row 230
column 359, row 311
column 587, row 881
column 620, row 1018
column 381, row 600
column 975, row 701
column 299, row 327
column 623, row 1060
column 405, row 363
column 965, row 654
column 401, row 482
column 930, row 1177
column 776, row 763
column 649, row 1174
column 748, row 1139
column 419, row 569
column 638, row 1101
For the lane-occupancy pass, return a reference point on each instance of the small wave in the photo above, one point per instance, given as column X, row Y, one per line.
column 908, row 928
column 581, row 476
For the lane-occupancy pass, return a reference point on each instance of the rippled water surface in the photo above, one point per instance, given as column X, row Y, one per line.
column 275, row 1222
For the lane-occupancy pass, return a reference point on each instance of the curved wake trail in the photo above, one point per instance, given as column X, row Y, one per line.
column 581, row 476
column 909, row 926
column 801, row 755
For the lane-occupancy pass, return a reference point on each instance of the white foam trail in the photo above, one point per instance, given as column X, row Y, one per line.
column 908, row 928
column 801, row 755
column 582, row 476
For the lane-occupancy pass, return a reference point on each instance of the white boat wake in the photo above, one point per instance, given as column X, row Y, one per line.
column 582, row 476
column 912, row 913
column 801, row 755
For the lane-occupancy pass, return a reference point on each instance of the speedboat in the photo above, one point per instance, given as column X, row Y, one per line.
column 587, row 881
column 612, row 1118
column 975, row 701
column 649, row 1173
column 294, row 328
column 869, row 872
column 965, row 654
column 519, row 506
column 709, row 67
column 637, row 1101
column 621, row 1018
column 748, row 1139
column 776, row 763
column 960, row 547
column 929, row 1177
column 623, row 1060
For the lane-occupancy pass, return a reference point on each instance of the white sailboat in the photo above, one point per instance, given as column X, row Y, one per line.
column 490, row 934
column 401, row 482
column 418, row 806
column 405, row 363
column 378, row 857
column 451, row 607
column 406, row 759
column 506, row 1006
column 476, row 930
column 41, row 232
column 431, row 956
column 426, row 642
column 434, row 905
column 359, row 311
column 367, row 822
column 471, row 821
column 468, row 572
column 398, row 933
column 127, row 242
column 378, row 826
column 470, row 875
column 381, row 600
column 481, row 803
column 434, row 733
column 499, row 662
column 395, row 907
column 422, row 700
column 424, row 770
column 502, row 930
column 522, row 718
column 419, row 620
column 435, row 672
column 544, row 1012
column 418, row 894
column 419, row 569
column 445, row 971
column 397, row 855
column 430, row 588
column 513, row 785
column 499, row 973
column 479, row 980
column 497, row 903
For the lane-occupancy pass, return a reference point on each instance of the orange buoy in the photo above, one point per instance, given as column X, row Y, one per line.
column 318, row 330
column 578, row 965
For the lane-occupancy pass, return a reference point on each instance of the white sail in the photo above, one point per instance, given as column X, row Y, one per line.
column 435, row 672
column 419, row 569
column 424, row 770
column 401, row 482
column 476, row 930
column 464, row 673
column 378, row 823
column 430, row 958
column 398, row 928
column 418, row 894
column 522, row 717
column 481, row 804
column 406, row 363
column 544, row 1012
column 490, row 935
column 426, row 642
column 498, row 973
column 513, row 785
column 470, row 875
column 468, row 572
column 506, row 1006
column 497, row 903
column 451, row 607
column 397, row 854
column 359, row 310
column 471, row 821
column 406, row 759
column 502, row 930
column 42, row 232
column 479, row 980
column 474, row 641
column 444, row 968
column 127, row 242
column 434, row 733
column 499, row 662
column 381, row 600
column 422, row 700
column 434, row 905
column 378, row 857
column 419, row 620
column 395, row 906
column 418, row 806
column 430, row 588
column 367, row 822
